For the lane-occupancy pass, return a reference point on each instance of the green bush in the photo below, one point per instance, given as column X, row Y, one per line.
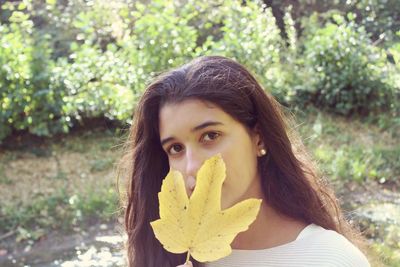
column 44, row 97
column 166, row 34
column 248, row 34
column 95, row 83
column 26, row 100
column 161, row 37
column 394, row 50
column 380, row 18
column 99, row 68
column 350, row 74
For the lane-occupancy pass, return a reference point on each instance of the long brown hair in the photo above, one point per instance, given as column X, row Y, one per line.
column 290, row 183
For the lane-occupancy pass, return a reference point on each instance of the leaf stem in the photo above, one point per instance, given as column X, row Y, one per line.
column 187, row 257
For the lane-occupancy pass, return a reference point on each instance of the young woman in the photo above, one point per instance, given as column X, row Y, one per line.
column 214, row 105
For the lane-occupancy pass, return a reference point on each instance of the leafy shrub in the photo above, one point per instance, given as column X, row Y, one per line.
column 26, row 100
column 160, row 39
column 167, row 34
column 49, row 83
column 394, row 50
column 380, row 18
column 95, row 83
column 248, row 34
column 350, row 74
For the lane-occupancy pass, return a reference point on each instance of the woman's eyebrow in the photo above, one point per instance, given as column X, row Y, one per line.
column 197, row 128
column 206, row 124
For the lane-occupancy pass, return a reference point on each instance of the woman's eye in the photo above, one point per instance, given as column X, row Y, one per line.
column 174, row 149
column 210, row 136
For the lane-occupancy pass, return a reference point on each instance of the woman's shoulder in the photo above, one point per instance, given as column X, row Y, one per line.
column 331, row 245
column 315, row 246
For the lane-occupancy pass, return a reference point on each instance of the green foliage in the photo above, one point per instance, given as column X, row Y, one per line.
column 253, row 39
column 161, row 38
column 62, row 63
column 95, row 83
column 350, row 74
column 394, row 51
column 88, row 19
column 380, row 18
column 26, row 100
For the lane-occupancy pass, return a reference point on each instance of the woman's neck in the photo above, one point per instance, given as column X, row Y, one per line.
column 270, row 229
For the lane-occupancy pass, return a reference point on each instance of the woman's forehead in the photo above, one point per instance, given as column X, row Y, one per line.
column 190, row 108
column 189, row 114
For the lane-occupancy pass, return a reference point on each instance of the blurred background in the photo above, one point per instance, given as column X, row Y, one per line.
column 72, row 71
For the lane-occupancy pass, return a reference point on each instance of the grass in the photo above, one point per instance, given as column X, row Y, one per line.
column 390, row 257
column 352, row 150
column 360, row 151
column 70, row 185
column 59, row 210
column 4, row 180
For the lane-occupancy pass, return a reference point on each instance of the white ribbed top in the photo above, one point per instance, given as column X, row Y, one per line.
column 315, row 246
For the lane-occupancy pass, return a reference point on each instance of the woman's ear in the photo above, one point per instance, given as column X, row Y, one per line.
column 258, row 141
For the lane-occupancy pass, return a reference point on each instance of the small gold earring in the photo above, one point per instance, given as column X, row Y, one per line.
column 263, row 152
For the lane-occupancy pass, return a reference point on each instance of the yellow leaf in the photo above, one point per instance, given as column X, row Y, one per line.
column 197, row 225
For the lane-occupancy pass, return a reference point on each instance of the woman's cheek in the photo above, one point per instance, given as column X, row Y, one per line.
column 226, row 196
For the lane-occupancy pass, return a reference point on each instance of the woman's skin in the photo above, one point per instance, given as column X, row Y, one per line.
column 191, row 132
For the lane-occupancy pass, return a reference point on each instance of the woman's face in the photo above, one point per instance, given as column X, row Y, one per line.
column 193, row 131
